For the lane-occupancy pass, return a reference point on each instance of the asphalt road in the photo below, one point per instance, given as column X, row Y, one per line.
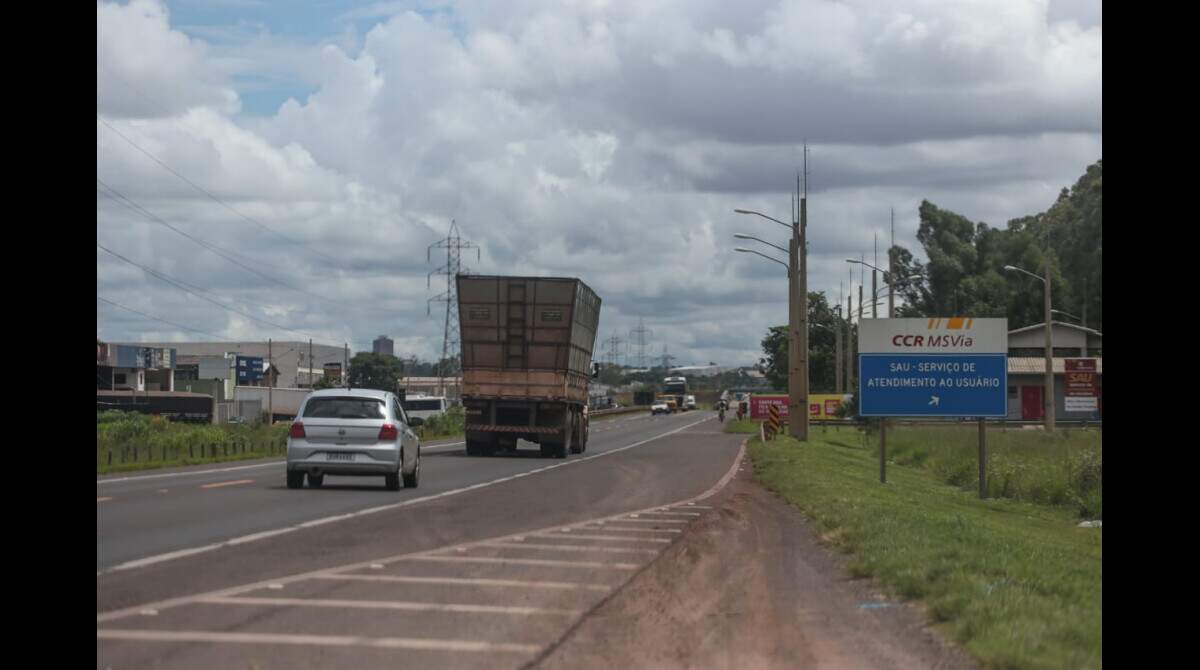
column 214, row 566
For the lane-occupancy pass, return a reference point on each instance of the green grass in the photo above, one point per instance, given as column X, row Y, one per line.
column 1016, row 583
column 127, row 441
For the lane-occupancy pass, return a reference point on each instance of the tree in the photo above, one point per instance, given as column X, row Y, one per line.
column 822, row 348
column 375, row 371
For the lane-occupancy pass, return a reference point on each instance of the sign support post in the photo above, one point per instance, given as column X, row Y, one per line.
column 883, row 451
column 982, row 459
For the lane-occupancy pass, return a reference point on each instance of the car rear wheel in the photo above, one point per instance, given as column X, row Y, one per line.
column 411, row 481
column 392, row 482
column 295, row 479
column 315, row 481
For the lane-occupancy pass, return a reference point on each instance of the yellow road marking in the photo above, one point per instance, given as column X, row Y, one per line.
column 233, row 483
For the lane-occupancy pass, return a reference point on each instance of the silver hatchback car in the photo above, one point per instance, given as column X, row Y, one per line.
column 356, row 432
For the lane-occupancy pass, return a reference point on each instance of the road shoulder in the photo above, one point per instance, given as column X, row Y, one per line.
column 749, row 586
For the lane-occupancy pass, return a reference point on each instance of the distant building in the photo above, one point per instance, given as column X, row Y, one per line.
column 1027, row 368
column 134, row 367
column 205, row 361
column 383, row 345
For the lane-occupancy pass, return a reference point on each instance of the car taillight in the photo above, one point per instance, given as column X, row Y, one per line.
column 388, row 432
column 297, row 430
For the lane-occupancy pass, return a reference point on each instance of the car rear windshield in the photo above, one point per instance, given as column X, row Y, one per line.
column 422, row 404
column 344, row 408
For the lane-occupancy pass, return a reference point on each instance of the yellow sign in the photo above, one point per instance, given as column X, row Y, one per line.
column 824, row 406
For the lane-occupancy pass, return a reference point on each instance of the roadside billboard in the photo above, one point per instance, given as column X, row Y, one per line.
column 824, row 406
column 933, row 367
column 760, row 401
column 1080, row 392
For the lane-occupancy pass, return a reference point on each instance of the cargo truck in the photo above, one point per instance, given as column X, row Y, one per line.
column 527, row 360
column 678, row 388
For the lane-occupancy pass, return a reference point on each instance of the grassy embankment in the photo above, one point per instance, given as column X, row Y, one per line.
column 1012, row 579
column 128, row 441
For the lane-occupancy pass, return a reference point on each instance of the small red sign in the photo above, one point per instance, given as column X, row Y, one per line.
column 759, row 404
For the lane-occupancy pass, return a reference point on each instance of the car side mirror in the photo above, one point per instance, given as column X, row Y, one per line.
column 415, row 421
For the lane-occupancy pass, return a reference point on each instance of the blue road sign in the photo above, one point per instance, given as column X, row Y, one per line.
column 974, row 385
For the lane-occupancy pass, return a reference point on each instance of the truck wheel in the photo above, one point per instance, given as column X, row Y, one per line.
column 576, row 433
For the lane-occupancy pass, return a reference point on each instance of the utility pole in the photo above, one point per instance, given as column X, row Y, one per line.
column 837, row 358
column 874, row 289
column 1083, row 317
column 891, row 282
column 310, row 364
column 453, row 244
column 346, row 365
column 1049, row 390
column 850, row 334
column 270, row 387
column 798, row 283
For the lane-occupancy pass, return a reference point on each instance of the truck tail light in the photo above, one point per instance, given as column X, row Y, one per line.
column 388, row 432
column 297, row 430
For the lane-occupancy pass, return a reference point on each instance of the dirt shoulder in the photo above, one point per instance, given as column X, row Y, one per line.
column 748, row 586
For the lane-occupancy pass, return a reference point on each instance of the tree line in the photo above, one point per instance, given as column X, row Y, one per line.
column 964, row 276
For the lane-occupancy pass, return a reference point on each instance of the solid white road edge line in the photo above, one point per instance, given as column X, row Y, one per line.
column 150, row 560
column 191, row 473
column 318, row 640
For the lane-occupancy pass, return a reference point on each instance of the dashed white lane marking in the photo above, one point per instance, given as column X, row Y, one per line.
column 675, row 513
column 469, row 581
column 607, row 528
column 403, row 605
column 648, row 521
column 526, row 561
column 314, row 640
column 610, row 538
column 572, row 547
column 104, row 499
column 218, row 485
column 149, row 560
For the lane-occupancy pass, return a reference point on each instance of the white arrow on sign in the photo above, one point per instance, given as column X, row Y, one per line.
column 934, row 400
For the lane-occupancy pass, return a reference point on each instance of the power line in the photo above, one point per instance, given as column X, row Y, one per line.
column 219, row 201
column 155, row 318
column 183, row 286
column 211, row 247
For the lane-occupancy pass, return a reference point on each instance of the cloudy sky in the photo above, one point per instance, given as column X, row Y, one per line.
column 279, row 169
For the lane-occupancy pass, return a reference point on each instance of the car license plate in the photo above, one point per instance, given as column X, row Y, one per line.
column 339, row 457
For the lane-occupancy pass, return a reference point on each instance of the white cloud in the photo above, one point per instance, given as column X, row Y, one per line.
column 603, row 140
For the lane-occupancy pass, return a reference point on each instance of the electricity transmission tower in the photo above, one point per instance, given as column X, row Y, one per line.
column 666, row 359
column 614, row 351
column 453, row 244
column 641, row 331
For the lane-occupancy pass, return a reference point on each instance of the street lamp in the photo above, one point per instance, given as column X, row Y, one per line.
column 751, row 237
column 751, row 251
column 1048, row 401
column 797, row 316
column 891, row 290
column 1066, row 314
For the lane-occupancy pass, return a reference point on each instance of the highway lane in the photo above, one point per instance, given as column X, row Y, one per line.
column 149, row 515
column 650, row 461
column 487, row 577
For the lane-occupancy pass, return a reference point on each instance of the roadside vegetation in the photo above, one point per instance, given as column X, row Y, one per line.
column 128, row 441
column 448, row 424
column 1014, row 580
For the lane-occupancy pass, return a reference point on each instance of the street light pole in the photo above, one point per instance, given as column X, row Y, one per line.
column 1048, row 388
column 798, row 379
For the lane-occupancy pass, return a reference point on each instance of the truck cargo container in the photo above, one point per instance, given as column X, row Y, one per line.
column 527, row 359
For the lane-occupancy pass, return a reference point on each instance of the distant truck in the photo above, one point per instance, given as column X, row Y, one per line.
column 677, row 387
column 527, row 360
